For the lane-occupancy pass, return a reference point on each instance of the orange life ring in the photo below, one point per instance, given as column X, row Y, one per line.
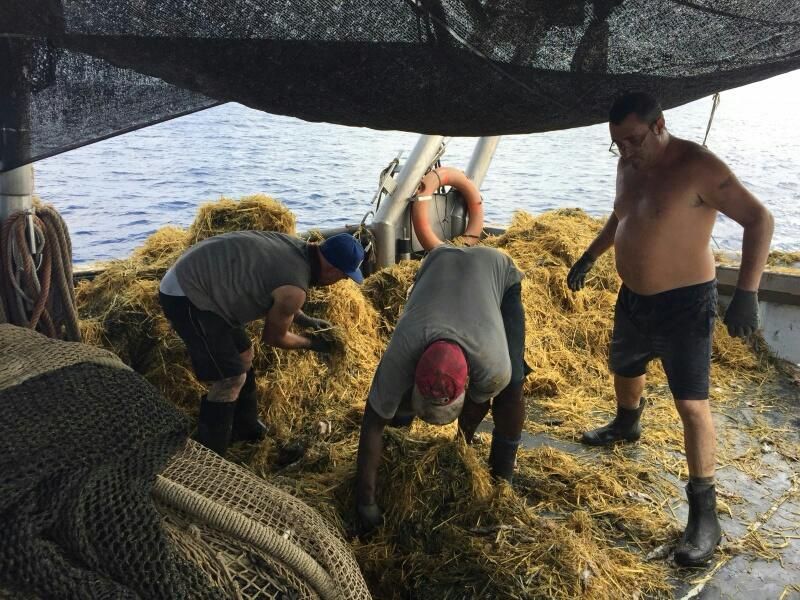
column 428, row 186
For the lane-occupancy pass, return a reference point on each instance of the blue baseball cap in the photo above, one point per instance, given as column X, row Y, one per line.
column 345, row 253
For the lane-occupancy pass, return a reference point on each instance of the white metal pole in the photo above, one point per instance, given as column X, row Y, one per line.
column 481, row 159
column 16, row 190
column 393, row 207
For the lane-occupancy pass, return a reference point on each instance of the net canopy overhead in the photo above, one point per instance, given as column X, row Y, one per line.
column 76, row 71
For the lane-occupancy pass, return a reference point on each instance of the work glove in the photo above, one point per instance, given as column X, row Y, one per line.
column 742, row 314
column 322, row 345
column 370, row 517
column 577, row 274
column 316, row 324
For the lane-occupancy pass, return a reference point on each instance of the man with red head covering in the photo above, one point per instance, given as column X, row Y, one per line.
column 457, row 350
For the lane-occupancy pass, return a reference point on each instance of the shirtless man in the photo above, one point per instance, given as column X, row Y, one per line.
column 668, row 193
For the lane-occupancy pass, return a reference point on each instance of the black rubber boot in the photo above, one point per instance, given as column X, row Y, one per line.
column 247, row 427
column 624, row 428
column 703, row 533
column 215, row 425
column 503, row 457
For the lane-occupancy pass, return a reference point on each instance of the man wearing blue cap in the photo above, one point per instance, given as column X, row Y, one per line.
column 224, row 282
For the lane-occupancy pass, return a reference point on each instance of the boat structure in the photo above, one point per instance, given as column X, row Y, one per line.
column 105, row 494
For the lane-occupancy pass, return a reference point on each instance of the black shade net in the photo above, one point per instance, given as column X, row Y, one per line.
column 75, row 71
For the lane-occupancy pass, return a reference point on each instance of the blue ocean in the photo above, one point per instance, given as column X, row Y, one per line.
column 115, row 193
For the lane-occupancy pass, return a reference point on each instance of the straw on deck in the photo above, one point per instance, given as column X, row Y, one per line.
column 572, row 526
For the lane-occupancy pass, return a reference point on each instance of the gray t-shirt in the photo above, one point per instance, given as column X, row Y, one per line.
column 456, row 296
column 234, row 274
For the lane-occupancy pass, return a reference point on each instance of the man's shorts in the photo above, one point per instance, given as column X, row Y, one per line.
column 214, row 345
column 676, row 326
column 514, row 323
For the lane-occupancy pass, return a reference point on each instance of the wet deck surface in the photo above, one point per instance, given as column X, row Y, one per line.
column 766, row 500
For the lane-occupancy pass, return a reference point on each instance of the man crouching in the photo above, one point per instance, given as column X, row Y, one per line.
column 459, row 343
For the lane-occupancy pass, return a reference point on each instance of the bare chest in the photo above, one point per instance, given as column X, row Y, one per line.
column 654, row 198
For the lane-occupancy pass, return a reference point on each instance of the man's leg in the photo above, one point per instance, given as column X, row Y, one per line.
column 217, row 409
column 216, row 359
column 508, row 407
column 629, row 390
column 703, row 531
column 686, row 356
column 699, row 436
column 247, row 426
column 508, row 412
column 471, row 416
column 628, row 357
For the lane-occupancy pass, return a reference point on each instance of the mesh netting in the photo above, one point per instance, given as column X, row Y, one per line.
column 25, row 354
column 257, row 572
column 80, row 70
column 82, row 441
column 79, row 448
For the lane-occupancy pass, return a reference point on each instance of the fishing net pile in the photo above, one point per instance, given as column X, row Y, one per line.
column 573, row 525
column 78, row 71
column 81, row 438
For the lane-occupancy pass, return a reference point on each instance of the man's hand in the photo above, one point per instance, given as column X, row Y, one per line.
column 370, row 517
column 742, row 314
column 306, row 322
column 577, row 274
column 318, row 324
column 323, row 345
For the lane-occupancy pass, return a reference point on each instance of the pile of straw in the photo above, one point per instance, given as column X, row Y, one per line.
column 777, row 261
column 258, row 212
column 450, row 533
column 778, row 258
column 387, row 290
column 571, row 527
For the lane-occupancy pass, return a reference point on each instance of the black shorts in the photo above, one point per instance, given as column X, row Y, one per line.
column 514, row 323
column 214, row 345
column 676, row 326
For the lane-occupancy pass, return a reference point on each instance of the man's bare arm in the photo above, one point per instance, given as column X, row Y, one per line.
column 287, row 302
column 604, row 239
column 576, row 277
column 721, row 189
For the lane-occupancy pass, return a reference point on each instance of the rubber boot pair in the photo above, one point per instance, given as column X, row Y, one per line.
column 703, row 532
column 503, row 452
column 625, row 427
column 221, row 423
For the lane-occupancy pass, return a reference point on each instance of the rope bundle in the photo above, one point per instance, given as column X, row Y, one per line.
column 36, row 288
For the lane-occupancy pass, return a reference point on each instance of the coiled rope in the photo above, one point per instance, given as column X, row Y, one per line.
column 36, row 287
column 234, row 524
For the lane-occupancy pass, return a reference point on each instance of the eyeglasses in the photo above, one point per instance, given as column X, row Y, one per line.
column 632, row 143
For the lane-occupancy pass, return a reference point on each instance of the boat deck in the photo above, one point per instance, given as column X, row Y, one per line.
column 759, row 492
